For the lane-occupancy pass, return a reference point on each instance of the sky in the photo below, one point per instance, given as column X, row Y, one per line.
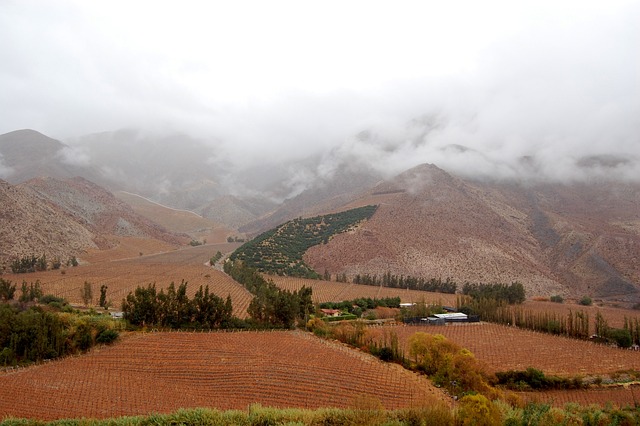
column 490, row 88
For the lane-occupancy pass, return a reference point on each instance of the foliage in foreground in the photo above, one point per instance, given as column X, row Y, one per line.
column 471, row 410
column 35, row 333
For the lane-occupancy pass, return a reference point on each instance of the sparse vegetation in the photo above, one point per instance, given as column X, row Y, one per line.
column 215, row 258
column 586, row 301
column 556, row 299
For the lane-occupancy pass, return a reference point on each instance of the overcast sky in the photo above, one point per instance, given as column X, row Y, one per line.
column 554, row 80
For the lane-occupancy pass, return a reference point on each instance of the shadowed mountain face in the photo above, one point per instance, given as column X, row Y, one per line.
column 555, row 239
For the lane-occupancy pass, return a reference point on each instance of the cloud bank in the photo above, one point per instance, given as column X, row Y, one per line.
column 496, row 89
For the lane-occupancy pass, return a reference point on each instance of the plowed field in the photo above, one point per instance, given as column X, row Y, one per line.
column 161, row 372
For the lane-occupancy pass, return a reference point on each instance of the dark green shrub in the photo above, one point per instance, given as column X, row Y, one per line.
column 107, row 336
column 586, row 301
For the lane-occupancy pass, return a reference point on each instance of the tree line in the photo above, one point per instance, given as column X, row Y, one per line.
column 574, row 324
column 145, row 306
column 34, row 263
column 271, row 306
column 388, row 279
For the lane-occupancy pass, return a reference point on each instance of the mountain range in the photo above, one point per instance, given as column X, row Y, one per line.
column 568, row 238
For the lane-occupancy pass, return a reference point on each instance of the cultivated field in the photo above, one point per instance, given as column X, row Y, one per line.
column 620, row 396
column 123, row 276
column 614, row 316
column 329, row 291
column 504, row 348
column 161, row 372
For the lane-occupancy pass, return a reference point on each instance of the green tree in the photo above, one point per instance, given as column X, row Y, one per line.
column 103, row 296
column 7, row 290
column 86, row 293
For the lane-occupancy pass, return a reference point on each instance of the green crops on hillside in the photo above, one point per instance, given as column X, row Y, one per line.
column 280, row 250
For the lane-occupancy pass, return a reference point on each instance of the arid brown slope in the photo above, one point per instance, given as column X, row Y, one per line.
column 29, row 226
column 554, row 239
column 98, row 209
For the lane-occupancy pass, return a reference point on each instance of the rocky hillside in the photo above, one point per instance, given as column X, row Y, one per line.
column 555, row 239
column 98, row 210
column 29, row 226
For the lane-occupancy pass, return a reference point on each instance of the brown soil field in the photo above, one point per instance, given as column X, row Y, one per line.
column 504, row 348
column 123, row 276
column 620, row 396
column 162, row 372
column 330, row 291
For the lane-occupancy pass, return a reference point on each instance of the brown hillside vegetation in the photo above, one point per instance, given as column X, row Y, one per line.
column 555, row 239
column 162, row 372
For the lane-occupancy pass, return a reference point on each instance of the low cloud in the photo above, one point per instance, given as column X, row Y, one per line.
column 5, row 171
column 75, row 156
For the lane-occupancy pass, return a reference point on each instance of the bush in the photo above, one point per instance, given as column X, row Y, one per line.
column 586, row 301
column 107, row 336
column 556, row 299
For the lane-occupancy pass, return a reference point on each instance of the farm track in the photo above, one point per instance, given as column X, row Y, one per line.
column 162, row 372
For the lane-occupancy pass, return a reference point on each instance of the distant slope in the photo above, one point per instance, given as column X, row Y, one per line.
column 564, row 239
column 98, row 209
column 235, row 212
column 329, row 194
column 32, row 227
column 176, row 220
column 29, row 154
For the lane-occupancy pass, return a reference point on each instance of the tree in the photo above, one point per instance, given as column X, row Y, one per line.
column 86, row 292
column 7, row 290
column 103, row 296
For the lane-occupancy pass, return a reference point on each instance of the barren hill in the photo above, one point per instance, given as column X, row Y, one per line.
column 555, row 239
column 98, row 210
column 28, row 154
column 32, row 227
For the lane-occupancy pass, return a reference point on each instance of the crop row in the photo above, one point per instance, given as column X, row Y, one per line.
column 504, row 348
column 165, row 371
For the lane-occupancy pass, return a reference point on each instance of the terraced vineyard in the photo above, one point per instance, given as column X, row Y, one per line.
column 161, row 372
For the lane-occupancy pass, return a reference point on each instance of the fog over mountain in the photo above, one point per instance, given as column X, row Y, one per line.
column 284, row 94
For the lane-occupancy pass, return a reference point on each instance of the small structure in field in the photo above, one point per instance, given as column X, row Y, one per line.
column 331, row 312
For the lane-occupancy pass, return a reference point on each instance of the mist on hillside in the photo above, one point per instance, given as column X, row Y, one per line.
column 256, row 100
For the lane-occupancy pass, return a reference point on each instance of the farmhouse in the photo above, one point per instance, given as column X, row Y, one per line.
column 331, row 312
